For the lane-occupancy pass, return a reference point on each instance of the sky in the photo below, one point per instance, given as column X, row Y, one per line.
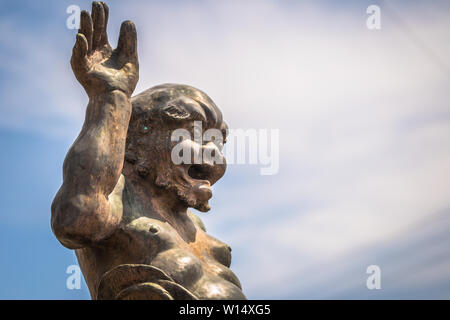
column 364, row 138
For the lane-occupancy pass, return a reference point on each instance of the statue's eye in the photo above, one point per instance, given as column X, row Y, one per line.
column 145, row 129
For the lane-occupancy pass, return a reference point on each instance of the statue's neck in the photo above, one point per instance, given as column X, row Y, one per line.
column 155, row 202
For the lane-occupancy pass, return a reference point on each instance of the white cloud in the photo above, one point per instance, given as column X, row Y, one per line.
column 39, row 94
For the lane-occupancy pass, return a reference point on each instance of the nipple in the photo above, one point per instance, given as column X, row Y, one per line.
column 153, row 229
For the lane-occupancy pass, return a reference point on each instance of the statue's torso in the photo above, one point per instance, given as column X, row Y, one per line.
column 200, row 265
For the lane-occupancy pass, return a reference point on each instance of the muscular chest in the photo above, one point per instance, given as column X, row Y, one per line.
column 157, row 243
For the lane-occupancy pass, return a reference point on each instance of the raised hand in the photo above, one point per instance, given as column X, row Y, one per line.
column 96, row 65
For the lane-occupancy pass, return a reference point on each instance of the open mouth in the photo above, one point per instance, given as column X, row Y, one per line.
column 201, row 175
column 200, row 172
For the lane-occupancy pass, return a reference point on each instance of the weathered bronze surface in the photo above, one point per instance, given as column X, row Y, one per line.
column 123, row 205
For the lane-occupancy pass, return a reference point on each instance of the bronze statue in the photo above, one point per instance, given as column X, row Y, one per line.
column 123, row 205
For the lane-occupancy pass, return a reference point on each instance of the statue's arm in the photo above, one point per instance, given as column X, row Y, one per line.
column 81, row 213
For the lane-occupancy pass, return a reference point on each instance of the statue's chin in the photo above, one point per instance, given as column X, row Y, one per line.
column 202, row 207
column 192, row 192
column 196, row 196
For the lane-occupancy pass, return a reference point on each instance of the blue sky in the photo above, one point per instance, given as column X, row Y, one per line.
column 364, row 120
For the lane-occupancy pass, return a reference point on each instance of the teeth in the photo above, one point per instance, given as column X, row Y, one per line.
column 204, row 186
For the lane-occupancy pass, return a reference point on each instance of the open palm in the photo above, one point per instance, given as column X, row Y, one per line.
column 96, row 65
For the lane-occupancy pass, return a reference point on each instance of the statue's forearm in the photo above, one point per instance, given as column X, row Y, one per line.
column 92, row 168
column 97, row 155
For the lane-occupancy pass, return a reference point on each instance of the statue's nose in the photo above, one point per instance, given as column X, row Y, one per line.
column 214, row 160
column 211, row 154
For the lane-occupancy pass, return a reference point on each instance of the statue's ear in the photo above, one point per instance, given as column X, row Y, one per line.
column 175, row 112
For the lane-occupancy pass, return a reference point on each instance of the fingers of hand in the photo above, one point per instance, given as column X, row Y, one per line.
column 104, row 38
column 86, row 28
column 98, row 20
column 127, row 44
column 79, row 52
column 93, row 26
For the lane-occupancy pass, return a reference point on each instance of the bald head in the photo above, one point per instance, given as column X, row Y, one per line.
column 174, row 103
